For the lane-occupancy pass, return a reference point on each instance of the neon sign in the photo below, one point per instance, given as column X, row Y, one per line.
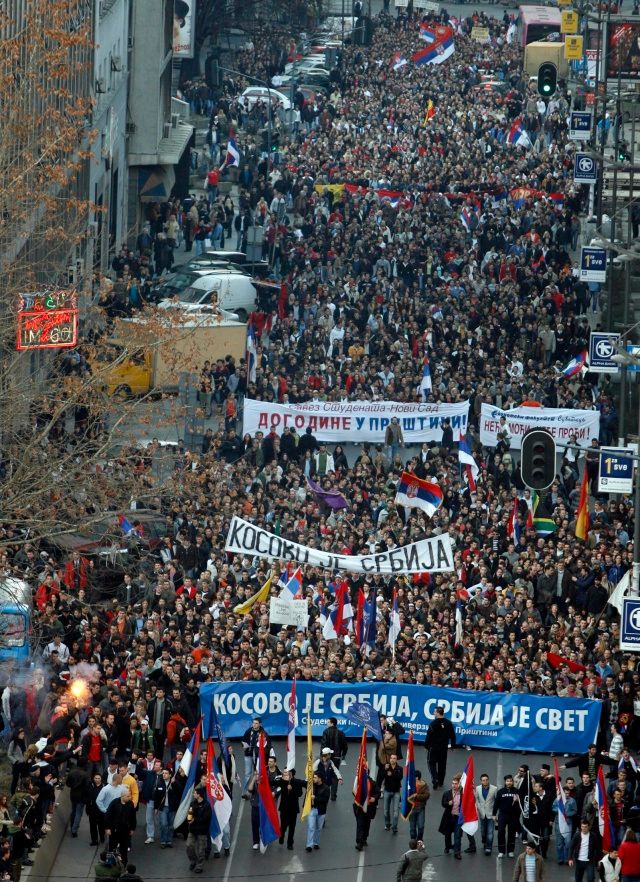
column 47, row 320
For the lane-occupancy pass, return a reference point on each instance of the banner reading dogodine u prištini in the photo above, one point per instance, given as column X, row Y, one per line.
column 499, row 720
column 356, row 421
column 426, row 556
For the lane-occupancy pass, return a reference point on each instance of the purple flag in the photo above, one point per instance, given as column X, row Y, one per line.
column 332, row 498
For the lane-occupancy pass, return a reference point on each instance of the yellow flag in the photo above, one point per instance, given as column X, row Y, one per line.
column 306, row 808
column 259, row 597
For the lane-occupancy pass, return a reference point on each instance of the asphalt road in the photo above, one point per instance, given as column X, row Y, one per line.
column 337, row 858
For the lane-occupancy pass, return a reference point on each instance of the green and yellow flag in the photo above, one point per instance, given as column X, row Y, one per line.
column 259, row 597
column 306, row 808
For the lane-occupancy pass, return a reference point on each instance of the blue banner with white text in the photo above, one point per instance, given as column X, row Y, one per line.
column 498, row 720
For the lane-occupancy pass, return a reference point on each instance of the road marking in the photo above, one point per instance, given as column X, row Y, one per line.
column 360, row 876
column 499, row 767
column 234, row 841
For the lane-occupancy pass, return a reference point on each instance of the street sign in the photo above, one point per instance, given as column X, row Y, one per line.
column 585, row 169
column 635, row 352
column 601, row 349
column 568, row 21
column 593, row 264
column 580, row 125
column 573, row 48
column 630, row 625
column 615, row 474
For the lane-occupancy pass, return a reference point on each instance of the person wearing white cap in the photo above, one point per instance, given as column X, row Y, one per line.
column 327, row 770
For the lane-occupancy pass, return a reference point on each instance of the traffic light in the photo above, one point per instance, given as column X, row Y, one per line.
column 538, row 459
column 623, row 152
column 547, row 79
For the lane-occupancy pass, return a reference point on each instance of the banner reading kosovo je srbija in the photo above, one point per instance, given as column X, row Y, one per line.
column 498, row 720
column 356, row 421
column 433, row 555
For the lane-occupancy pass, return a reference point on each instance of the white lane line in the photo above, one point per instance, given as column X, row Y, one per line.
column 360, row 876
column 234, row 841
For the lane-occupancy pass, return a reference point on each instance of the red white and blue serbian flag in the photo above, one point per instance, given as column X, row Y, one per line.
column 269, row 818
column 219, row 799
column 293, row 587
column 426, row 383
column 468, row 817
column 564, row 824
column 469, row 218
column 362, row 784
column 427, row 33
column 408, row 781
column 251, row 353
column 513, row 530
column 576, row 365
column 465, row 458
column 413, row 492
column 233, row 154
column 188, row 764
column 292, row 722
column 340, row 617
column 518, row 136
column 605, row 826
column 435, row 53
column 398, row 61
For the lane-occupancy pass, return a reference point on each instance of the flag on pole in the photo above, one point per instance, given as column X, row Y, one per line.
column 518, row 136
column 251, row 353
column 293, row 587
column 341, row 614
column 219, row 799
column 188, row 765
column 260, row 596
column 430, row 112
column 607, row 834
column 361, row 785
column 233, row 154
column 394, row 624
column 468, row 817
column 291, row 728
column 513, row 529
column 215, row 731
column 576, row 365
column 366, row 625
column 465, row 458
column 398, row 61
column 459, row 633
column 306, row 806
column 269, row 818
column 413, row 492
column 583, row 521
column 409, row 786
column 564, row 825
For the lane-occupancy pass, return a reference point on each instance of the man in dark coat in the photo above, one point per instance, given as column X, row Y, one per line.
column 119, row 821
column 364, row 817
column 199, row 824
column 439, row 735
column 290, row 792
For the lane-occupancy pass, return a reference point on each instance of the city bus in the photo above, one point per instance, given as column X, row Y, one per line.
column 537, row 23
column 15, row 619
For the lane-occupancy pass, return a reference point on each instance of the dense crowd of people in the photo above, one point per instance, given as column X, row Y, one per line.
column 470, row 264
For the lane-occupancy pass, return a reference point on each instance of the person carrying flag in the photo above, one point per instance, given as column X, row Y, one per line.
column 290, row 791
column 418, row 801
column 366, row 814
column 335, row 739
column 250, row 742
column 318, row 813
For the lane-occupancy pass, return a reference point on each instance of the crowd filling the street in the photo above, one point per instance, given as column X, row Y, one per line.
column 425, row 257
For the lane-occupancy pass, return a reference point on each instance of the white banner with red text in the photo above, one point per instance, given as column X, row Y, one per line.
column 356, row 421
column 561, row 423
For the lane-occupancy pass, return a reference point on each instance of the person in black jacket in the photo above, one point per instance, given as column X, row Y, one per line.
column 439, row 735
column 364, row 818
column 589, row 762
column 119, row 821
column 199, row 823
column 584, row 851
column 449, row 822
column 250, row 743
column 390, row 778
column 290, row 789
column 335, row 739
column 96, row 817
column 318, row 813
column 506, row 810
column 78, row 781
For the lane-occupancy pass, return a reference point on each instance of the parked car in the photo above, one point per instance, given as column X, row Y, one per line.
column 231, row 291
column 254, row 94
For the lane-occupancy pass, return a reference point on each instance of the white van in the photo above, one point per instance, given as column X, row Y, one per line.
column 233, row 292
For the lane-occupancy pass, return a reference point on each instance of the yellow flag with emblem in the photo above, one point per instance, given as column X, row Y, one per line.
column 306, row 808
column 260, row 596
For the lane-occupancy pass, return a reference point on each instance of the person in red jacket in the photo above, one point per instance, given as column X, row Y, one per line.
column 76, row 572
column 629, row 854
